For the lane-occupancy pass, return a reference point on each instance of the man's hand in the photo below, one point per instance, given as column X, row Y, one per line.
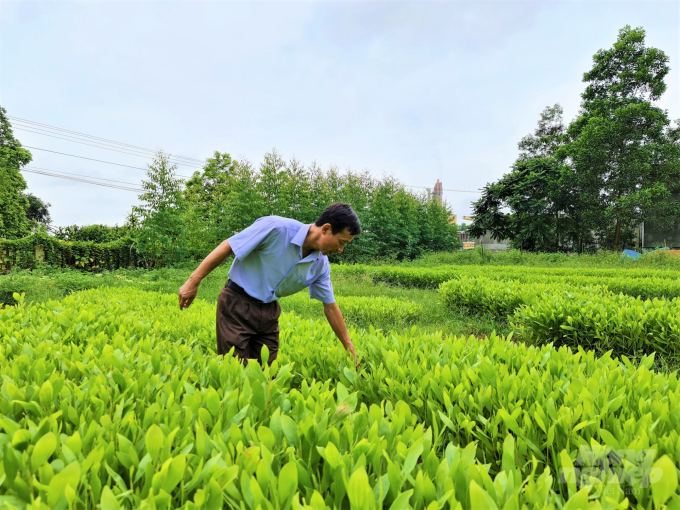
column 350, row 348
column 337, row 322
column 187, row 293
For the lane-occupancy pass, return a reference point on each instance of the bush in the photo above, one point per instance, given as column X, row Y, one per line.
column 501, row 297
column 634, row 282
column 93, row 233
column 625, row 325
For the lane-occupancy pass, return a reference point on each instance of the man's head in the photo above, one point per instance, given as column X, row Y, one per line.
column 339, row 224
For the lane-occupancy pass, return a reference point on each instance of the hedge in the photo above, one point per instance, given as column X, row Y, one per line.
column 30, row 251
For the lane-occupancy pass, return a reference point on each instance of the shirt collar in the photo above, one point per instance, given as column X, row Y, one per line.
column 299, row 239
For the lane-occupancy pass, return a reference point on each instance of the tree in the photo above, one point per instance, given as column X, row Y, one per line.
column 13, row 204
column 531, row 191
column 229, row 195
column 162, row 234
column 38, row 213
column 624, row 154
column 617, row 164
column 437, row 233
column 220, row 201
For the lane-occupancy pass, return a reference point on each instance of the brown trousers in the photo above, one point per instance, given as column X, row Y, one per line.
column 245, row 325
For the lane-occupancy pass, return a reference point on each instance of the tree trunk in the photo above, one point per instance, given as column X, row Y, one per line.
column 617, row 234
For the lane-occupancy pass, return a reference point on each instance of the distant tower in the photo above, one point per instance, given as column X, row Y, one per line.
column 438, row 192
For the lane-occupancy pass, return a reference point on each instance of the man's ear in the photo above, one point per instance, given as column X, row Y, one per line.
column 326, row 229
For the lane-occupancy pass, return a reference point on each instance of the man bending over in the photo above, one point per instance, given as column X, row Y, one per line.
column 273, row 258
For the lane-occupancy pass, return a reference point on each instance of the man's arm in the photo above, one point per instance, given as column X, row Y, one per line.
column 335, row 319
column 188, row 291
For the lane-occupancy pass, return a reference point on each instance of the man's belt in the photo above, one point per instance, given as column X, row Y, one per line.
column 239, row 290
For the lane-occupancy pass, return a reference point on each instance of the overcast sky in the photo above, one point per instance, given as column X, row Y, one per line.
column 423, row 90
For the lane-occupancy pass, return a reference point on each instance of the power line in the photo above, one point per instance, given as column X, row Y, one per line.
column 101, row 146
column 129, row 147
column 83, row 157
column 99, row 138
column 91, row 159
column 81, row 175
column 82, row 180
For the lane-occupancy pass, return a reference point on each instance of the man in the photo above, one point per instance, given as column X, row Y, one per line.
column 273, row 258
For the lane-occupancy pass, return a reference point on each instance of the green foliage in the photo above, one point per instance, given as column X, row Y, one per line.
column 29, row 252
column 37, row 212
column 228, row 196
column 637, row 282
column 617, row 164
column 118, row 408
column 503, row 297
column 531, row 191
column 358, row 310
column 13, row 203
column 578, row 311
column 161, row 237
column 220, row 201
column 93, row 233
column 627, row 326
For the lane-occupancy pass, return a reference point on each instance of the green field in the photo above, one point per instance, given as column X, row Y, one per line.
column 504, row 385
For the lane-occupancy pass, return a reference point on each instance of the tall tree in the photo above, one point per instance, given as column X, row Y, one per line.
column 527, row 205
column 38, row 212
column 228, row 195
column 13, row 203
column 162, row 236
column 623, row 152
column 617, row 164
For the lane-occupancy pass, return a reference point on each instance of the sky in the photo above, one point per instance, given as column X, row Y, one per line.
column 420, row 90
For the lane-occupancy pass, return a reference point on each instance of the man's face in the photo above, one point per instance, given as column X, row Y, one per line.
column 330, row 243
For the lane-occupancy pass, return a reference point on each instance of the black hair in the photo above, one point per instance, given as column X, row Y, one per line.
column 341, row 217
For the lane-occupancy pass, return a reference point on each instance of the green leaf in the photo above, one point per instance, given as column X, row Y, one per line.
column 508, row 460
column 331, row 455
column 11, row 463
column 568, row 473
column 212, row 402
column 21, row 439
column 359, row 491
column 289, row 430
column 154, row 441
column 509, row 421
column 480, row 499
column 288, row 482
column 412, row 457
column 401, row 501
column 43, row 449
column 664, row 480
column 259, row 398
column 68, row 477
column 46, row 393
column 578, row 501
column 109, row 501
column 175, row 473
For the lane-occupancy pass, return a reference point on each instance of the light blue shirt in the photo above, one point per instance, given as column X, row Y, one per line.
column 268, row 261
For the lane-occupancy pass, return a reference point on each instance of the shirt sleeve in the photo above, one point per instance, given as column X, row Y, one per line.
column 322, row 288
column 251, row 238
